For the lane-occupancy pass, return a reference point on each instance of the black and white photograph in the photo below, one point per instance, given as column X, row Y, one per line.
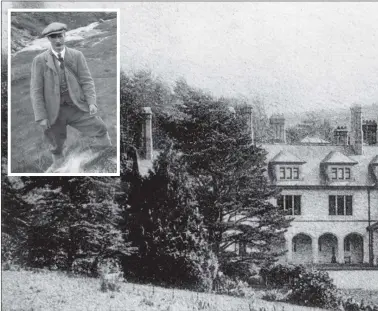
column 248, row 157
column 63, row 87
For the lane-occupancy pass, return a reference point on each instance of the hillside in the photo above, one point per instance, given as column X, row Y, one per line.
column 98, row 42
column 28, row 26
column 53, row 291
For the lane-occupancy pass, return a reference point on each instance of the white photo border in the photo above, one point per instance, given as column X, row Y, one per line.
column 117, row 10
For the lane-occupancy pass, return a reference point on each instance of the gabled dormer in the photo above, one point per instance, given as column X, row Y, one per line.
column 336, row 167
column 286, row 167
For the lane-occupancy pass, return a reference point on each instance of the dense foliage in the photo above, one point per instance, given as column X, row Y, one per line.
column 314, row 288
column 281, row 275
column 227, row 173
column 167, row 228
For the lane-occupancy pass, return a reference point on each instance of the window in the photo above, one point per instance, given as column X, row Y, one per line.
column 340, row 173
column 289, row 172
column 347, row 245
column 340, row 205
column 291, row 204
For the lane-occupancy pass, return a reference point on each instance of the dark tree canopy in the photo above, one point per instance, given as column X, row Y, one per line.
column 228, row 173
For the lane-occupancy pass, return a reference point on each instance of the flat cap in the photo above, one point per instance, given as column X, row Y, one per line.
column 54, row 28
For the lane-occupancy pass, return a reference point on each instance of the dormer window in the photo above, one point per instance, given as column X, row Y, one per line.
column 340, row 173
column 286, row 166
column 289, row 172
column 337, row 167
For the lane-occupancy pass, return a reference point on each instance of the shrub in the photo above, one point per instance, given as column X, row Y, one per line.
column 351, row 305
column 314, row 289
column 83, row 266
column 224, row 285
column 245, row 271
column 281, row 275
column 274, row 295
column 196, row 270
column 111, row 276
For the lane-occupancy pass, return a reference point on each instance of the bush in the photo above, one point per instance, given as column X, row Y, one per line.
column 274, row 295
column 224, row 285
column 83, row 266
column 11, row 253
column 244, row 271
column 195, row 271
column 351, row 305
column 111, row 276
column 314, row 289
column 281, row 275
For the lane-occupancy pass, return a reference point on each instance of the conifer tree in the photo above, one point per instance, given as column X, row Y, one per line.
column 73, row 218
column 228, row 174
column 166, row 226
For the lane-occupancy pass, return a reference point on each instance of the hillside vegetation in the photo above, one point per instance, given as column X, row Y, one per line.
column 26, row 26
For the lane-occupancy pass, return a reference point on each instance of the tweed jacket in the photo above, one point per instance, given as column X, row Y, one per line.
column 45, row 85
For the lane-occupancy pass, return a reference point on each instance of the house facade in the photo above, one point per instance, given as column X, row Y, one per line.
column 331, row 191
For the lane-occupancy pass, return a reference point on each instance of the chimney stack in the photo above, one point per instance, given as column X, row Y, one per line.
column 369, row 129
column 340, row 136
column 277, row 123
column 247, row 114
column 147, row 133
column 356, row 129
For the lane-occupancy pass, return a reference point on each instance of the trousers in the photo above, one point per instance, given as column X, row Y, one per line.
column 70, row 114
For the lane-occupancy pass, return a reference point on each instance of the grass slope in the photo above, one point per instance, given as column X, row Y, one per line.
column 26, row 291
column 29, row 25
column 29, row 151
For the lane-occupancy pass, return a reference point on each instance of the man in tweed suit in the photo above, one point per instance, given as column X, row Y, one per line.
column 63, row 93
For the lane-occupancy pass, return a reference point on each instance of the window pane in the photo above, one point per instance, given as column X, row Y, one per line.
column 334, row 173
column 289, row 204
column 349, row 209
column 341, row 173
column 289, row 173
column 347, row 244
column 340, row 205
column 347, row 173
column 297, row 205
column 332, row 205
column 282, row 173
column 295, row 173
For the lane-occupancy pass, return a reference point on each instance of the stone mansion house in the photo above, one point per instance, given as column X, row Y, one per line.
column 329, row 188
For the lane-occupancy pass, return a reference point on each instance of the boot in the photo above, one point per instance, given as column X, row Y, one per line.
column 103, row 141
column 58, row 160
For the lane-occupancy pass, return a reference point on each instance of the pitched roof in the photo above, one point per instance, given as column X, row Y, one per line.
column 336, row 157
column 313, row 155
column 374, row 161
column 314, row 140
column 286, row 157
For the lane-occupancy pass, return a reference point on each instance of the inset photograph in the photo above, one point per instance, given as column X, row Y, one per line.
column 64, row 93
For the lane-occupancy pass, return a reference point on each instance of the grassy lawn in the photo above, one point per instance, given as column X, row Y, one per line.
column 29, row 151
column 26, row 291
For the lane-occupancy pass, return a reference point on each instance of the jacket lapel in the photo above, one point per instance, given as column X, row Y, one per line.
column 50, row 61
column 68, row 58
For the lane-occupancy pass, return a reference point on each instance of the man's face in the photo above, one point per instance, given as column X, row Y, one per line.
column 57, row 41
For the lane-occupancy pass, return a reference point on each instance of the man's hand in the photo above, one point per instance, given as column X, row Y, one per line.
column 45, row 124
column 92, row 109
